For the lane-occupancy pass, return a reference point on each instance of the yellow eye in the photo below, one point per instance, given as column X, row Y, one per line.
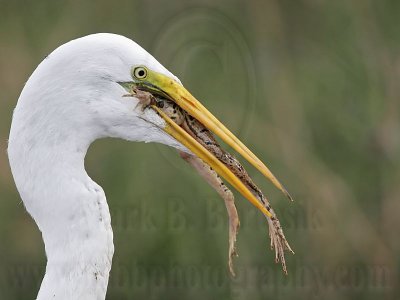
column 140, row 72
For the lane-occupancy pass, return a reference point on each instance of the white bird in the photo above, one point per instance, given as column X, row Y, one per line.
column 74, row 97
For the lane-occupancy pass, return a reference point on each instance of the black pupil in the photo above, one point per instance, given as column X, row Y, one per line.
column 141, row 73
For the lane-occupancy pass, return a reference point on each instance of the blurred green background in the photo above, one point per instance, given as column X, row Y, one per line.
column 311, row 86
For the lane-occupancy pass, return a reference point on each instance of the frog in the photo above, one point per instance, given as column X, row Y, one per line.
column 200, row 133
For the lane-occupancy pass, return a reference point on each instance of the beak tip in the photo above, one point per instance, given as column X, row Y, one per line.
column 287, row 194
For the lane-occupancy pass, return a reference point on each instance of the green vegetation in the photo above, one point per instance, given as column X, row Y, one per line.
column 311, row 86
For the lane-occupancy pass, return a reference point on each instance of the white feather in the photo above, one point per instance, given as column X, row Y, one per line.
column 70, row 100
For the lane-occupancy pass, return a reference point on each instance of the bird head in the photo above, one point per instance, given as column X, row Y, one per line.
column 95, row 72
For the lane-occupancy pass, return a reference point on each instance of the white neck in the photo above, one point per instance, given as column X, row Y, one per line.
column 69, row 208
column 71, row 99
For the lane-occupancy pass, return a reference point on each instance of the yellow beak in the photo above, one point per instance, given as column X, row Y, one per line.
column 159, row 83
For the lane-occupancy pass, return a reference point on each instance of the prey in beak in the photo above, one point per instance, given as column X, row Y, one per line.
column 191, row 124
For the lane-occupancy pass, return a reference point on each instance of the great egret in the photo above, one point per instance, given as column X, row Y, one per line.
column 74, row 97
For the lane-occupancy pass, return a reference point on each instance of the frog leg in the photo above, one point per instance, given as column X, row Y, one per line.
column 216, row 182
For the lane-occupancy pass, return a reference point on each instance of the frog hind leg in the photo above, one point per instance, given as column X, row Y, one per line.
column 216, row 182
